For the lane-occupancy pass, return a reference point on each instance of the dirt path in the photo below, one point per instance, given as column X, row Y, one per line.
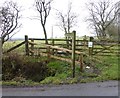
column 109, row 88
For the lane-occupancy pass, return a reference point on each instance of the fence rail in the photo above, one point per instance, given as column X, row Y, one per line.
column 15, row 47
column 72, row 46
column 34, row 44
column 99, row 48
column 50, row 54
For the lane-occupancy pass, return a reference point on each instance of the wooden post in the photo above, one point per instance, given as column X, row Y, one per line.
column 81, row 62
column 53, row 42
column 70, row 44
column 32, row 47
column 26, row 45
column 73, row 51
column 73, row 35
column 84, row 39
column 53, row 45
column 48, row 53
column 90, row 45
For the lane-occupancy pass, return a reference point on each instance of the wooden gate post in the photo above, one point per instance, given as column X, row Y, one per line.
column 26, row 45
column 73, row 51
column 90, row 45
column 53, row 42
column 48, row 53
column 73, row 36
column 81, row 62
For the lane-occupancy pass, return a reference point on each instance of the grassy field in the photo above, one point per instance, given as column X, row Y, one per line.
column 11, row 44
column 102, row 69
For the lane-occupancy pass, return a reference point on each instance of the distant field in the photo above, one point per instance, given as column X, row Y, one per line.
column 10, row 44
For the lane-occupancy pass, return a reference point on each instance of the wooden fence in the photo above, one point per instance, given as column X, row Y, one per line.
column 33, row 46
column 51, row 50
column 107, row 48
column 76, row 49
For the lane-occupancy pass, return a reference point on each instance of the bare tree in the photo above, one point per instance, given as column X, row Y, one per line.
column 67, row 21
column 9, row 16
column 112, row 32
column 101, row 15
column 44, row 8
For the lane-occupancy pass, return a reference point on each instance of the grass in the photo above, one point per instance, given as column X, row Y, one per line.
column 25, row 83
column 108, row 70
column 64, row 74
column 11, row 44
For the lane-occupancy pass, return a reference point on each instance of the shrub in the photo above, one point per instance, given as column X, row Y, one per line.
column 36, row 71
column 15, row 65
column 11, row 66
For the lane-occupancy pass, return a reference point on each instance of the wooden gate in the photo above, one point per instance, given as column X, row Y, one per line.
column 106, row 48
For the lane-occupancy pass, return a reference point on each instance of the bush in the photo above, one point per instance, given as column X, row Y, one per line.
column 11, row 66
column 36, row 71
column 15, row 65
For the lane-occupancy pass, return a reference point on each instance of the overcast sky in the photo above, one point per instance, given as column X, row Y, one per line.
column 33, row 28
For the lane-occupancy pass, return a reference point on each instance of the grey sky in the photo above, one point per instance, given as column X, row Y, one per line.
column 33, row 28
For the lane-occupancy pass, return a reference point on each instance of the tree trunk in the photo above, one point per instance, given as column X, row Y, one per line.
column 45, row 34
column 1, row 54
column 2, row 41
column 67, row 42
